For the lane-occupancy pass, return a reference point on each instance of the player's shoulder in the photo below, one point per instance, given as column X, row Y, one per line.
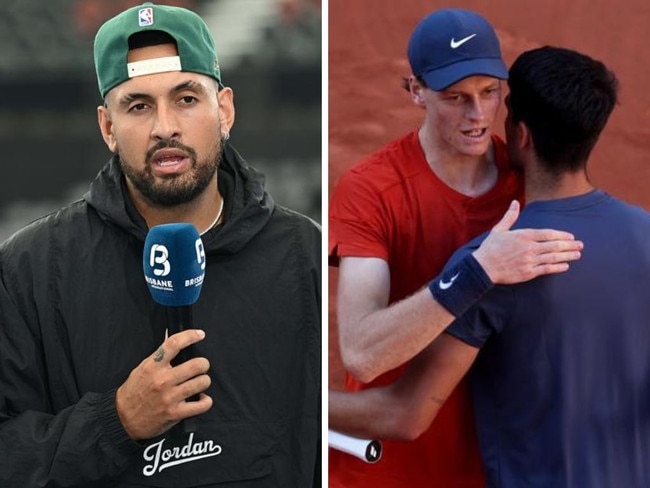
column 467, row 248
column 287, row 225
column 41, row 242
column 635, row 214
column 293, row 219
column 61, row 221
column 384, row 167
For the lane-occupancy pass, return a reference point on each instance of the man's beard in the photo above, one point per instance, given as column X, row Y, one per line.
column 173, row 190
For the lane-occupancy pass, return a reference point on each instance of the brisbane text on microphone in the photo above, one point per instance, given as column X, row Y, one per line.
column 168, row 285
column 160, row 284
column 198, row 281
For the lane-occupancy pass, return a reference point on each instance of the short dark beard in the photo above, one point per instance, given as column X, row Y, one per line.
column 176, row 189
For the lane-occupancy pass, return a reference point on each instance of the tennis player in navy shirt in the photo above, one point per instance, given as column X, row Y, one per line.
column 561, row 375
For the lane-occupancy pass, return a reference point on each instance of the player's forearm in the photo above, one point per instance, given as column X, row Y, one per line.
column 367, row 414
column 388, row 338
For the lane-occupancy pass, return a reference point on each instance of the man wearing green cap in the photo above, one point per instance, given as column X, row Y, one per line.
column 89, row 395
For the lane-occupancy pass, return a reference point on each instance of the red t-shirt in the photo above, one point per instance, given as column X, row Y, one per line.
column 393, row 206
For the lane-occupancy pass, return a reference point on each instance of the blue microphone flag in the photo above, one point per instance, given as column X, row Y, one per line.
column 174, row 264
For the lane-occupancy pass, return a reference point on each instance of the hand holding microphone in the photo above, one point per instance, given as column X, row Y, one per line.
column 155, row 396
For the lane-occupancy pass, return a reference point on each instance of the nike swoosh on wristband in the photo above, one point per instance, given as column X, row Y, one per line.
column 454, row 44
column 444, row 285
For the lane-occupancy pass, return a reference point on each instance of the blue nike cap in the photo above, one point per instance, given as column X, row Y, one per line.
column 451, row 44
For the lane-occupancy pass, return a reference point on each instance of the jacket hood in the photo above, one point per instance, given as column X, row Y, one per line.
column 247, row 208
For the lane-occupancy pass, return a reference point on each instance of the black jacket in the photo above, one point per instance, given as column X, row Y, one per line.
column 76, row 317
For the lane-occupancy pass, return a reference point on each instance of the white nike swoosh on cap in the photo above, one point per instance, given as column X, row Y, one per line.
column 454, row 44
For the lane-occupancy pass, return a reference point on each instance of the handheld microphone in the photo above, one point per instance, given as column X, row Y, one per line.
column 174, row 268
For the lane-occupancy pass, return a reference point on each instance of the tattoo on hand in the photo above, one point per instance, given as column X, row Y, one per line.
column 159, row 355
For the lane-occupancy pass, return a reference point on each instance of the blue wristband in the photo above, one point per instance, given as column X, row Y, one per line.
column 460, row 286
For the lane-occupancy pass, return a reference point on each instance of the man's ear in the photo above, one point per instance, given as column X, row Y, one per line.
column 225, row 97
column 524, row 137
column 417, row 91
column 106, row 127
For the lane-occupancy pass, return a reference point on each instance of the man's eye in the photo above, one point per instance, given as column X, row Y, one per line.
column 188, row 100
column 138, row 107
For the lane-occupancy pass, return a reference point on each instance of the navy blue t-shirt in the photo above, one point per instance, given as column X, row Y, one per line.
column 562, row 382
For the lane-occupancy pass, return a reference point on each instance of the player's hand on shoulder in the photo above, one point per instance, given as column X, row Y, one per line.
column 514, row 256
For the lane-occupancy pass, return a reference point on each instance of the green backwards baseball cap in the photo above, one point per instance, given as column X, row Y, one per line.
column 194, row 42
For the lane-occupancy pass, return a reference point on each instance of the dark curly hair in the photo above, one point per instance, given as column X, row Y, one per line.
column 565, row 98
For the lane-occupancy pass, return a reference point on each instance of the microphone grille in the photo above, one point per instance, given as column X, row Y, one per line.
column 173, row 262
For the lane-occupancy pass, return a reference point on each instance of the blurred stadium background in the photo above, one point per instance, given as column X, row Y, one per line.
column 269, row 52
